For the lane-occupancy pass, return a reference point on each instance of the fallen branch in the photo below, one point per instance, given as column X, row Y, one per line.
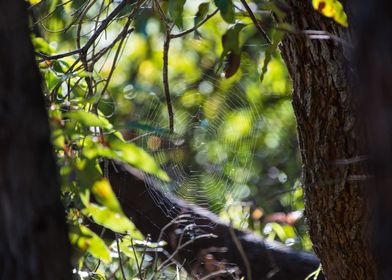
column 267, row 260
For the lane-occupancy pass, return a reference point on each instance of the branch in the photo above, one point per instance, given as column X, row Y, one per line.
column 190, row 30
column 92, row 39
column 165, row 77
column 255, row 22
column 163, row 216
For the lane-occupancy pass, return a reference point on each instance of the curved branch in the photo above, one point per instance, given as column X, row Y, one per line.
column 190, row 30
column 138, row 196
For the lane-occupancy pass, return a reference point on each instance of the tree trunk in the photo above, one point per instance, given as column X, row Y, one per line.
column 212, row 246
column 33, row 236
column 331, row 144
column 374, row 63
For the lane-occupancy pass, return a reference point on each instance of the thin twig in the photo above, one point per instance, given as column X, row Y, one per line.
column 117, row 54
column 113, row 274
column 194, row 28
column 175, row 220
column 217, row 273
column 208, row 235
column 92, row 39
column 242, row 253
column 256, row 22
column 139, row 267
column 165, row 71
column 165, row 77
column 162, row 14
column 119, row 258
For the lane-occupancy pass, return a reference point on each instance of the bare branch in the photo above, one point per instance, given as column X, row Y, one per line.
column 165, row 77
column 173, row 36
column 255, row 22
column 92, row 39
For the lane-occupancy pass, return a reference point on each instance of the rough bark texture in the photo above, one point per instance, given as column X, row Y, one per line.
column 33, row 235
column 374, row 63
column 180, row 222
column 331, row 145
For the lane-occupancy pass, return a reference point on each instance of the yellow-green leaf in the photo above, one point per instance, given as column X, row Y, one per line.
column 104, row 194
column 332, row 9
column 34, row 2
column 87, row 241
column 89, row 119
column 103, row 216
column 133, row 155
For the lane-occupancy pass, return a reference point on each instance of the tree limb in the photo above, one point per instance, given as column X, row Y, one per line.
column 154, row 216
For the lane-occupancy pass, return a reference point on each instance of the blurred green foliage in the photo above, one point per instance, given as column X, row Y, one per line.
column 235, row 133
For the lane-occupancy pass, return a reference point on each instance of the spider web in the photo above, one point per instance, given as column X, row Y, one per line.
column 210, row 153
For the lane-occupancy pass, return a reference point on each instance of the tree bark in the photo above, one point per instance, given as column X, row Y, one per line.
column 33, row 237
column 213, row 245
column 332, row 144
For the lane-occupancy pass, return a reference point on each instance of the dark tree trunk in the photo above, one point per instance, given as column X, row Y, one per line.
column 33, row 235
column 331, row 144
column 215, row 246
column 374, row 62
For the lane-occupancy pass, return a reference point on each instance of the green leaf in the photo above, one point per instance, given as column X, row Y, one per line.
column 87, row 241
column 332, row 9
column 129, row 153
column 226, row 9
column 104, row 194
column 230, row 40
column 58, row 138
column 88, row 172
column 127, row 244
column 148, row 128
column 201, row 12
column 40, row 45
column 231, row 44
column 34, row 2
column 133, row 155
column 277, row 38
column 314, row 275
column 105, row 217
column 176, row 8
column 89, row 119
column 278, row 229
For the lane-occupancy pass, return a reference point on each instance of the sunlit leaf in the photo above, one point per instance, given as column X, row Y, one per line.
column 104, row 194
column 129, row 153
column 332, row 9
column 277, row 38
column 34, row 2
column 89, row 119
column 279, row 230
column 133, row 155
column 87, row 241
column 40, row 45
column 129, row 245
column 87, row 172
column 103, row 216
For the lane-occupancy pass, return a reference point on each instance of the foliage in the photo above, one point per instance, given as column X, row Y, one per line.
column 333, row 9
column 102, row 67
